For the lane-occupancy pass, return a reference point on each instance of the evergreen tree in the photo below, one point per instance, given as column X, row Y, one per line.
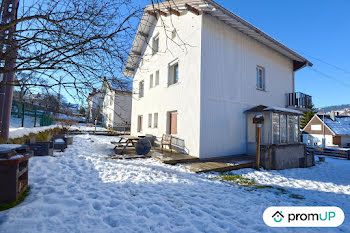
column 307, row 117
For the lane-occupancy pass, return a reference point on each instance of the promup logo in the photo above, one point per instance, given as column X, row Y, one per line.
column 278, row 216
column 306, row 216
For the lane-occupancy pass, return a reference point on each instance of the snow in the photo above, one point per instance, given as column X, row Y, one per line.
column 341, row 125
column 82, row 190
column 83, row 127
column 8, row 147
column 280, row 109
column 20, row 132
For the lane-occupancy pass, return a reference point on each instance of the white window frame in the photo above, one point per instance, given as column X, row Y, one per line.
column 156, row 81
column 141, row 90
column 150, row 120
column 155, row 120
column 155, row 44
column 171, row 73
column 151, row 81
column 262, row 86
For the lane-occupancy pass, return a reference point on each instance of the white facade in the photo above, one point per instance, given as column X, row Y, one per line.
column 183, row 97
column 94, row 106
column 116, row 108
column 217, row 83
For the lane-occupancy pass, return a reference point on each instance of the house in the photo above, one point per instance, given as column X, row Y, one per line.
column 116, row 107
column 333, row 129
column 197, row 68
column 110, row 106
column 94, row 106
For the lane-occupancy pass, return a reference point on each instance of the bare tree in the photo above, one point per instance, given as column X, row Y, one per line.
column 80, row 40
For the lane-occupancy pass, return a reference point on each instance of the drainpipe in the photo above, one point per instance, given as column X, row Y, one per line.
column 324, row 133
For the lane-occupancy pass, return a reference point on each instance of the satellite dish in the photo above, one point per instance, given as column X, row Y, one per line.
column 143, row 146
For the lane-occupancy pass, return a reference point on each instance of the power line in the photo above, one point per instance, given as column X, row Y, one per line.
column 330, row 77
column 327, row 63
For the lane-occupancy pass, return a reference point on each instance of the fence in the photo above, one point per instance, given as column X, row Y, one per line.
column 29, row 115
column 334, row 152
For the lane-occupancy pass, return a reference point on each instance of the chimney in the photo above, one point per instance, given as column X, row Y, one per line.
column 332, row 116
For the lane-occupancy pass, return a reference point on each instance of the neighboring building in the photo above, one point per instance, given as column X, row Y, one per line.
column 116, row 107
column 94, row 107
column 197, row 81
column 333, row 129
column 111, row 107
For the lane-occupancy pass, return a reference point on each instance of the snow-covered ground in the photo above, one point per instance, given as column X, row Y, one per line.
column 84, row 127
column 81, row 190
column 20, row 132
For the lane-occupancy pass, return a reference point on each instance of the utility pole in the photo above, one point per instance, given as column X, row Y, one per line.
column 8, row 56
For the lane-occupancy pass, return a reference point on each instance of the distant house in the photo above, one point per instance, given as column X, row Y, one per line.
column 333, row 128
column 115, row 107
column 94, row 106
column 200, row 95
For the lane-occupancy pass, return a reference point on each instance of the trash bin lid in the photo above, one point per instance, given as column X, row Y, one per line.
column 8, row 150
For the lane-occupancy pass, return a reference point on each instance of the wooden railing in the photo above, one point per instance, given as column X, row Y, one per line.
column 342, row 153
column 299, row 100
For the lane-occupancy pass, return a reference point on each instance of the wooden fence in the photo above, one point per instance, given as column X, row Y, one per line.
column 329, row 152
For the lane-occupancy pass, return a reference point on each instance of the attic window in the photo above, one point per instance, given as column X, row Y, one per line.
column 155, row 44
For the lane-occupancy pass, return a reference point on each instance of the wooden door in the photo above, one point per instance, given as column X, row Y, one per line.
column 173, row 123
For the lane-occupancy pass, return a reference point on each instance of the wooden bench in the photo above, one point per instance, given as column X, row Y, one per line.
column 166, row 141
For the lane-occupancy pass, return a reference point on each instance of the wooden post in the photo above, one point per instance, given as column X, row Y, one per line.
column 258, row 146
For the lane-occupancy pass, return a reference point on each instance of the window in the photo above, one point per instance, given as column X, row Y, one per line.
column 155, row 45
column 157, row 78
column 173, row 34
column 260, row 78
column 110, row 117
column 283, row 128
column 173, row 73
column 139, row 123
column 141, row 89
column 111, row 100
column 150, row 120
column 155, row 119
column 151, row 81
column 276, row 128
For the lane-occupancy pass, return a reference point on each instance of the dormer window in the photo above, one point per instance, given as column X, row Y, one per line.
column 155, row 44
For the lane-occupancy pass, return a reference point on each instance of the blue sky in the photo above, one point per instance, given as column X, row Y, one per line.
column 318, row 30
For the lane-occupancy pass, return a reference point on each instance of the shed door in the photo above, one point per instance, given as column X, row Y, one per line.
column 173, row 123
column 337, row 140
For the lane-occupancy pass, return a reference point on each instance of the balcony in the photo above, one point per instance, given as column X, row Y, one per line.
column 299, row 100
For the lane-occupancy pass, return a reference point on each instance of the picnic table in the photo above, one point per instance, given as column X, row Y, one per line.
column 128, row 139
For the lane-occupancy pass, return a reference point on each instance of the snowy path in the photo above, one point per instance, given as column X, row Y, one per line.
column 81, row 191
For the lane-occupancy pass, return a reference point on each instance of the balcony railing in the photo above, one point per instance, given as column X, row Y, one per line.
column 299, row 100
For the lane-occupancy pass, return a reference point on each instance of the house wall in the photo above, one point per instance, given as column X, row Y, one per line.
column 122, row 110
column 316, row 121
column 316, row 140
column 228, row 86
column 183, row 97
column 108, row 109
column 345, row 140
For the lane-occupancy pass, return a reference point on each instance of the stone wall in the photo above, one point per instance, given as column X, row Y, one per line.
column 277, row 157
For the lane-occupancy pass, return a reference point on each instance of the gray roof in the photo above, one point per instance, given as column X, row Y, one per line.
column 340, row 126
column 208, row 7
